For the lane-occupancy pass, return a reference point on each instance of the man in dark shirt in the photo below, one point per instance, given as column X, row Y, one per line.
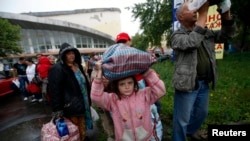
column 20, row 73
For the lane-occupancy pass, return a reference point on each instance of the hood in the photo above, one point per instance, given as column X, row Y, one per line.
column 44, row 60
column 65, row 47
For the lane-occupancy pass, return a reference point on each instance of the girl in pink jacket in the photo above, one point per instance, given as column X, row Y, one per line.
column 130, row 106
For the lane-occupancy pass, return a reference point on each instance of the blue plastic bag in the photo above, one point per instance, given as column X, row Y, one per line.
column 62, row 127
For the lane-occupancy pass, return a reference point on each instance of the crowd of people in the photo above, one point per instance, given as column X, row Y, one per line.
column 33, row 77
column 131, row 104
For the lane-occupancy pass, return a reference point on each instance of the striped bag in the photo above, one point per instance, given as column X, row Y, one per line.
column 121, row 61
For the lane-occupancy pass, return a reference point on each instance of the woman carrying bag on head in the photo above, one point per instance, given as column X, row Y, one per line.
column 69, row 88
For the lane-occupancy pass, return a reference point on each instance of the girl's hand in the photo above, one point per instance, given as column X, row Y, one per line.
column 98, row 65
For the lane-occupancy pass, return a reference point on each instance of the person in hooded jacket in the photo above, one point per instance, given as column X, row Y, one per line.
column 69, row 89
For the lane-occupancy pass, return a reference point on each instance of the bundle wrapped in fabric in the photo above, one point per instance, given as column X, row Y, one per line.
column 195, row 4
column 223, row 5
column 49, row 132
column 121, row 61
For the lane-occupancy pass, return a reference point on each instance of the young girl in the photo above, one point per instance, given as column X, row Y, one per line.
column 130, row 107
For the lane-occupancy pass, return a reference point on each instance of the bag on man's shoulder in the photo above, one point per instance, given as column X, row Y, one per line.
column 121, row 61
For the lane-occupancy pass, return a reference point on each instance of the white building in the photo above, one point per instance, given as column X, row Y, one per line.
column 90, row 30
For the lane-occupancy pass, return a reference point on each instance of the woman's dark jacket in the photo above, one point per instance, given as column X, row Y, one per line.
column 66, row 97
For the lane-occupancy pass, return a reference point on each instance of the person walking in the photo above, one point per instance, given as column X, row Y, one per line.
column 195, row 68
column 20, row 73
column 90, row 64
column 42, row 71
column 129, row 105
column 32, row 88
column 69, row 89
column 123, row 38
column 52, row 59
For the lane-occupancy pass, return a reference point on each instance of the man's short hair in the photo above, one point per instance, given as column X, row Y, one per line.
column 21, row 58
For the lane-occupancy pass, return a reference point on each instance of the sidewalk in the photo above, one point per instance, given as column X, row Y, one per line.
column 22, row 121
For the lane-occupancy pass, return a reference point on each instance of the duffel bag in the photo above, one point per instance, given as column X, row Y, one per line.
column 121, row 61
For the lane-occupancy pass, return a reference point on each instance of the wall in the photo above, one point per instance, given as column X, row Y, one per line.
column 105, row 21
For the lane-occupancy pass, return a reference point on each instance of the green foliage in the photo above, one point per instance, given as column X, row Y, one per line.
column 9, row 37
column 140, row 42
column 102, row 136
column 239, row 8
column 155, row 18
column 229, row 102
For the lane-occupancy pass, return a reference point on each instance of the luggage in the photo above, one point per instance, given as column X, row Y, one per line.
column 121, row 61
column 49, row 132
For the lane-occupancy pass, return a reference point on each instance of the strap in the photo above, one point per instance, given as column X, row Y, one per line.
column 154, row 131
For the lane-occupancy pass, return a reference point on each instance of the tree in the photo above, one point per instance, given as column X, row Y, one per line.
column 9, row 37
column 155, row 19
column 240, row 8
column 140, row 41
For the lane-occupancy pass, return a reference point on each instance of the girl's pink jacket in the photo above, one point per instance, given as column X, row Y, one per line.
column 131, row 115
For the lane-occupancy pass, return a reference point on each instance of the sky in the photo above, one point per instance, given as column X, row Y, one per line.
column 127, row 21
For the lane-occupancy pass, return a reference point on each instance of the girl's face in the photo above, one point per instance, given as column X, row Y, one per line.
column 126, row 86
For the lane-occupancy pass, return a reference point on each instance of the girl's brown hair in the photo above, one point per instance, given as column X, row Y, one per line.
column 114, row 85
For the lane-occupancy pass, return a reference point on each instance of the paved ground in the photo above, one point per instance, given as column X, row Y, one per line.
column 22, row 121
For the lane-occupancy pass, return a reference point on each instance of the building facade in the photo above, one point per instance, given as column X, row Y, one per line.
column 89, row 30
column 106, row 20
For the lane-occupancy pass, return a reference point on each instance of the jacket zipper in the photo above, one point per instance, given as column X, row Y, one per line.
column 132, row 123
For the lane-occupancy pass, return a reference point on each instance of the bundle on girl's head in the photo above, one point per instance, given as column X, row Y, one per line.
column 122, row 61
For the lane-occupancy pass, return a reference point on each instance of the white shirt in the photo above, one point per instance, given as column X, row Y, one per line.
column 31, row 71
